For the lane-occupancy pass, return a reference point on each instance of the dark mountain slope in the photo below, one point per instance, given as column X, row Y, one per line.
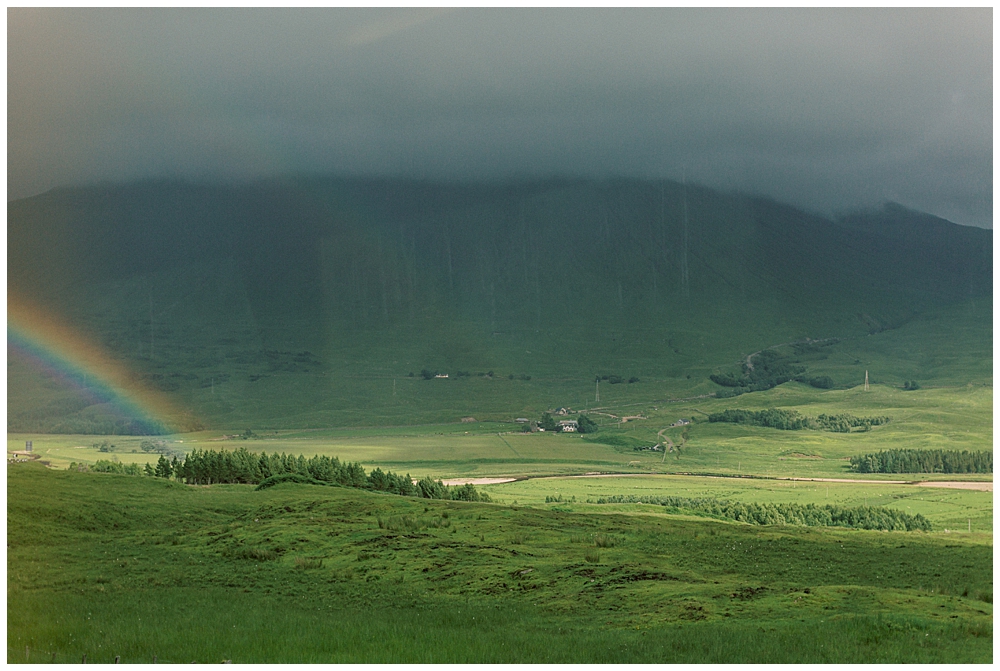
column 223, row 287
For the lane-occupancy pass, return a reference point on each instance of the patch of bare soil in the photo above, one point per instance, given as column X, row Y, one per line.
column 978, row 486
column 477, row 481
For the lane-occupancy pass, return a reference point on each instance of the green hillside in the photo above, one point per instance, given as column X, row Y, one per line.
column 308, row 302
column 307, row 574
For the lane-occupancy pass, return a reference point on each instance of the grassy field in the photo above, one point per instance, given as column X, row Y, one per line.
column 954, row 418
column 952, row 509
column 137, row 567
column 106, row 566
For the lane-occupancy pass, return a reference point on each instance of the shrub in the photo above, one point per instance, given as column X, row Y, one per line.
column 256, row 554
column 605, row 541
column 401, row 523
column 467, row 493
column 822, row 382
column 586, row 424
column 307, row 563
column 546, row 422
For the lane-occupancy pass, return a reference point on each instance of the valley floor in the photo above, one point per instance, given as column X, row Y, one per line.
column 113, row 566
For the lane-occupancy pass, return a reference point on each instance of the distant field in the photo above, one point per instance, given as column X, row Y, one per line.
column 945, row 508
column 953, row 418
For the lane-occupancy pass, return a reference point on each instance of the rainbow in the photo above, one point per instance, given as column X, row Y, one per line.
column 57, row 347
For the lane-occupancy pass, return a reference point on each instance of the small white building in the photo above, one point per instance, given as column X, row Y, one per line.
column 569, row 426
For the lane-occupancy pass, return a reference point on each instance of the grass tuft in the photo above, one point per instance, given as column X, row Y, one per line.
column 256, row 554
column 605, row 541
column 307, row 563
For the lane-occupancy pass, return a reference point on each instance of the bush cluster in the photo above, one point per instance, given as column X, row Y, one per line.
column 923, row 461
column 105, row 466
column 769, row 370
column 844, row 423
column 789, row 420
column 616, row 379
column 586, row 424
column 860, row 517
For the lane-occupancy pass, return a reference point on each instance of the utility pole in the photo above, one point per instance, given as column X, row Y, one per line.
column 866, row 380
column 597, row 397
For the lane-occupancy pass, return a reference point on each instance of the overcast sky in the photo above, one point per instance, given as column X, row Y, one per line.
column 827, row 109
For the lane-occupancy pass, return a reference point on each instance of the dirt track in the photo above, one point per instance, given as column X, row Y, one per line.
column 944, row 484
column 476, row 481
column 980, row 486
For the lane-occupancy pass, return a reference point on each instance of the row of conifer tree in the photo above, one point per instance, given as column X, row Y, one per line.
column 858, row 517
column 240, row 466
column 923, row 461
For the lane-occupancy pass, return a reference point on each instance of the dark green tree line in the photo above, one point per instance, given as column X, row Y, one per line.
column 923, row 461
column 789, row 420
column 860, row 517
column 240, row 466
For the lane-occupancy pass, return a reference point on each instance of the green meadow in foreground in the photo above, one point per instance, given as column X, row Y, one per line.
column 114, row 566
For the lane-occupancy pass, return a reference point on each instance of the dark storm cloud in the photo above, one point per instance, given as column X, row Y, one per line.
column 826, row 109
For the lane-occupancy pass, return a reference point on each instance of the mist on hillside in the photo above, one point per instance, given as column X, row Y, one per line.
column 830, row 110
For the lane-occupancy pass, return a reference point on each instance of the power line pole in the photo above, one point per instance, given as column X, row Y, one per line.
column 866, row 380
column 597, row 396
